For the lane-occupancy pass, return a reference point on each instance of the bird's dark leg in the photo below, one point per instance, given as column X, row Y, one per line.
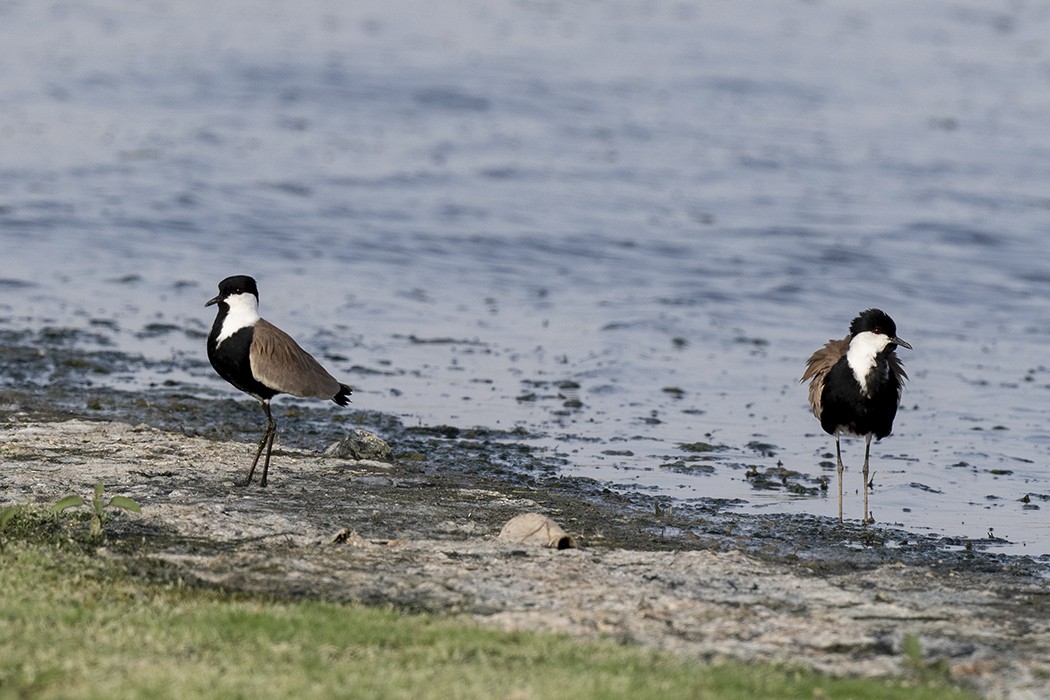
column 271, row 427
column 867, row 450
column 267, row 442
column 838, row 455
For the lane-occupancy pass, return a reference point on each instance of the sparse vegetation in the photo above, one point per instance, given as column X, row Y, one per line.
column 924, row 671
column 99, row 508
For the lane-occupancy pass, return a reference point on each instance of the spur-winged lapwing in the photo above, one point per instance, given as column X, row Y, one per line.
column 856, row 384
column 260, row 359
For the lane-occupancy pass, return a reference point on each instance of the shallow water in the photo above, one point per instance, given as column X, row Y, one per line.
column 621, row 226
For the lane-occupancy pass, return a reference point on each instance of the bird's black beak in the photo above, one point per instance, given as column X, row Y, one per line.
column 215, row 300
column 896, row 341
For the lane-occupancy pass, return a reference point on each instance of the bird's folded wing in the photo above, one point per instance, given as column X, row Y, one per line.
column 278, row 362
column 817, row 367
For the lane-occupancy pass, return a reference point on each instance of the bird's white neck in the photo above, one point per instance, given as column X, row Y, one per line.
column 862, row 356
column 243, row 312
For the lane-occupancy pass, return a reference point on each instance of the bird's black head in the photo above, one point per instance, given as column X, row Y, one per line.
column 876, row 321
column 238, row 284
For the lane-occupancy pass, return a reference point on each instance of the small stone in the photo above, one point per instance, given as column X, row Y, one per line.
column 536, row 529
column 361, row 444
column 350, row 537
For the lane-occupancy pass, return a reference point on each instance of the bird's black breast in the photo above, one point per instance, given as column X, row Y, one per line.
column 845, row 408
column 231, row 359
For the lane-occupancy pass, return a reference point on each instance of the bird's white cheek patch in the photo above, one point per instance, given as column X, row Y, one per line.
column 861, row 355
column 244, row 312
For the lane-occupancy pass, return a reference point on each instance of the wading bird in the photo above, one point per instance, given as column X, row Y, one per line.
column 260, row 359
column 856, row 384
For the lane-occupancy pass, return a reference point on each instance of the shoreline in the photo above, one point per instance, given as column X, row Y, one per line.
column 421, row 534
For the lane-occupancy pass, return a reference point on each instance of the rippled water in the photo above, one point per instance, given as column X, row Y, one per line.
column 622, row 226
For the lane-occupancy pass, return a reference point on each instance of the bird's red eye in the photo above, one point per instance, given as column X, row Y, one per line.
column 876, row 330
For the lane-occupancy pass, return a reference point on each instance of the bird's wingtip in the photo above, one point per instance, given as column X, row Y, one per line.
column 343, row 396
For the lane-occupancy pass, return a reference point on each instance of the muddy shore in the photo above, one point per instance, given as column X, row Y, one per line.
column 420, row 533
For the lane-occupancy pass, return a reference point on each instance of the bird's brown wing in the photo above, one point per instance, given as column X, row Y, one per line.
column 278, row 362
column 817, row 367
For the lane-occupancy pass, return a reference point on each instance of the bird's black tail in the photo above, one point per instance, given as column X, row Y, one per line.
column 343, row 397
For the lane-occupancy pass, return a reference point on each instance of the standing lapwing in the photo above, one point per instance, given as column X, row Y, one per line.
column 856, row 385
column 260, row 359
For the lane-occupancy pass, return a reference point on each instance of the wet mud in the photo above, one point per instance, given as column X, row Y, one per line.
column 419, row 532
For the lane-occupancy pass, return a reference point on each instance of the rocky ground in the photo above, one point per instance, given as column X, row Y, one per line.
column 421, row 533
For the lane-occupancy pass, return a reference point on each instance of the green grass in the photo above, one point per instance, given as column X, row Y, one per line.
column 75, row 624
